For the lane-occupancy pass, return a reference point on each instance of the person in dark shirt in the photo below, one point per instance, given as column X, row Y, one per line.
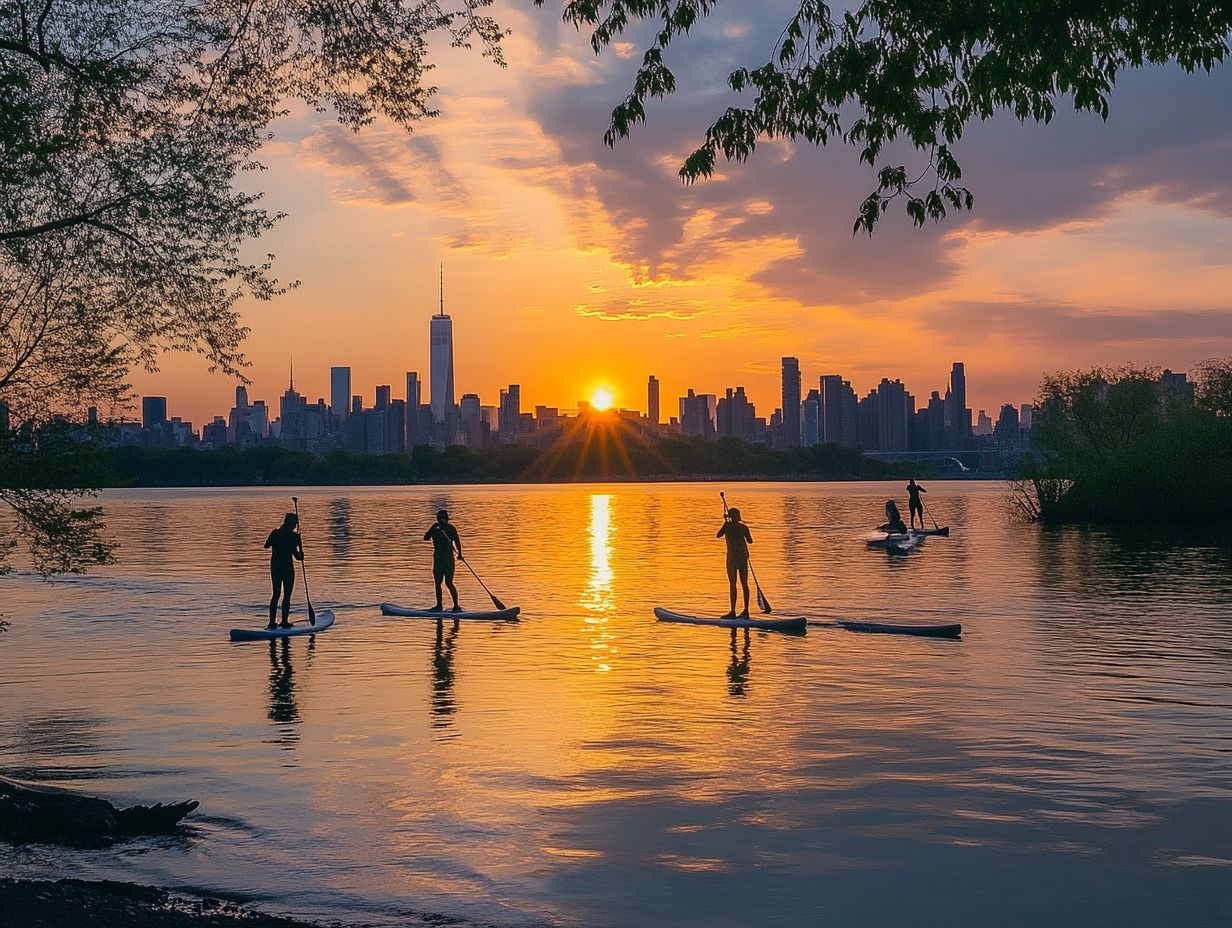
column 285, row 549
column 444, row 538
column 738, row 539
column 914, row 503
column 894, row 520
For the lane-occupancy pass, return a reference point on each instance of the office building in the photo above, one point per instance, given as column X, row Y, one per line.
column 153, row 411
column 511, row 413
column 441, row 349
column 471, row 418
column 736, row 416
column 382, row 396
column 810, row 419
column 652, row 400
column 789, row 436
column 339, row 391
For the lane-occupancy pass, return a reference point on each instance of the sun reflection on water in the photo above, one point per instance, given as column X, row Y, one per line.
column 598, row 600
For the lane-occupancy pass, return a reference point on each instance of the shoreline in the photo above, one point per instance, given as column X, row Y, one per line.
column 114, row 904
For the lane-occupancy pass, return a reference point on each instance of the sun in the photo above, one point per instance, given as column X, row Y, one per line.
column 601, row 400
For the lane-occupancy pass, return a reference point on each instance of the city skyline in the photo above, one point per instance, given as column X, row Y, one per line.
column 571, row 264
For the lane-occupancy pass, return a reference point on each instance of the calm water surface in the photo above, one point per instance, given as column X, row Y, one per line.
column 1068, row 761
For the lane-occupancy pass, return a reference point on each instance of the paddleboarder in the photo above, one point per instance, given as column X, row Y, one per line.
column 738, row 539
column 914, row 503
column 894, row 520
column 286, row 548
column 444, row 538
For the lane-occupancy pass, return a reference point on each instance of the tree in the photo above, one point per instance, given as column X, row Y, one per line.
column 125, row 126
column 913, row 70
column 1123, row 445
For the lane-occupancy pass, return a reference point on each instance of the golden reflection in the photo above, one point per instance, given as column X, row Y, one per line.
column 598, row 600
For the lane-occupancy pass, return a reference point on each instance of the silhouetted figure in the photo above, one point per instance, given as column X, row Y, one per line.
column 914, row 503
column 444, row 538
column 894, row 520
column 285, row 549
column 738, row 539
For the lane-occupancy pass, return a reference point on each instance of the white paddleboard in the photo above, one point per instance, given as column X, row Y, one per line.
column 325, row 618
column 495, row 615
column 783, row 625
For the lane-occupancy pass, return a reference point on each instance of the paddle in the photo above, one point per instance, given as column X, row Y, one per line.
column 495, row 602
column 930, row 516
column 312, row 613
column 762, row 603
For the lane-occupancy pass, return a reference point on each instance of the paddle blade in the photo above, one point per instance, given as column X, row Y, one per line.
column 497, row 603
column 762, row 603
column 312, row 615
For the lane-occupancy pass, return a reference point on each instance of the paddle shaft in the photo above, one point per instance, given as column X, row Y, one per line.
column 495, row 602
column 312, row 613
column 930, row 515
column 762, row 603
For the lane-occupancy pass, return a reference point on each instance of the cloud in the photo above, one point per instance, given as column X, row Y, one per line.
column 1047, row 324
column 637, row 309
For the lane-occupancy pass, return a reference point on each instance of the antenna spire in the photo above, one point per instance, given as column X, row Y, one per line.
column 291, row 385
column 442, row 288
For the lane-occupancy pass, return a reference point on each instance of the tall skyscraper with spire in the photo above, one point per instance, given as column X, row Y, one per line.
column 442, row 362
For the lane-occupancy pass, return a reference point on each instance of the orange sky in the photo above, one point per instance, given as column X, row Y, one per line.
column 570, row 266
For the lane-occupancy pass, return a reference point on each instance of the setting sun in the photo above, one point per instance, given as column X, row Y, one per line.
column 601, row 399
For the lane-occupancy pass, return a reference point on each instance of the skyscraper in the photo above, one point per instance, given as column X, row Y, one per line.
column 339, row 391
column 652, row 400
column 810, row 419
column 382, row 396
column 153, row 411
column 415, row 432
column 511, row 413
column 442, row 362
column 791, row 403
column 957, row 416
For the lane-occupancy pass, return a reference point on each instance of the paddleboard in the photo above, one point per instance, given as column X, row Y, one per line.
column 895, row 544
column 325, row 618
column 943, row 530
column 782, row 625
column 496, row 615
column 945, row 630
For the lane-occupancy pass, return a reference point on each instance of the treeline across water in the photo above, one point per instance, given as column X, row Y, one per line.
column 1127, row 445
column 567, row 461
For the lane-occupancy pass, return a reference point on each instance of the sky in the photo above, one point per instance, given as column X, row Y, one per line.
column 570, row 266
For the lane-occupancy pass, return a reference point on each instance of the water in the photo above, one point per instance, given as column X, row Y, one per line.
column 1069, row 760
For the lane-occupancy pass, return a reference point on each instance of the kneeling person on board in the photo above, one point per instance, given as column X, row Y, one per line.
column 894, row 521
column 738, row 539
column 285, row 549
column 444, row 538
column 914, row 503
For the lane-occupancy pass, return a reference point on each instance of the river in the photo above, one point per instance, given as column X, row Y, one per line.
column 1069, row 760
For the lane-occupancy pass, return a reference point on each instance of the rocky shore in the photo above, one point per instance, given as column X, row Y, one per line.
column 107, row 904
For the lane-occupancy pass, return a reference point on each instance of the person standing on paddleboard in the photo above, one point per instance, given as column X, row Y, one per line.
column 285, row 549
column 914, row 503
column 738, row 539
column 894, row 520
column 444, row 538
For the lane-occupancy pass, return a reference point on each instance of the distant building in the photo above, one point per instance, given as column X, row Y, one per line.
column 790, row 435
column 957, row 415
column 383, row 396
column 1026, row 415
column 810, row 419
column 885, row 417
column 441, row 359
column 983, row 423
column 838, row 412
column 153, row 411
column 511, row 414
column 697, row 415
column 470, row 415
column 736, row 416
column 339, row 392
column 652, row 400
